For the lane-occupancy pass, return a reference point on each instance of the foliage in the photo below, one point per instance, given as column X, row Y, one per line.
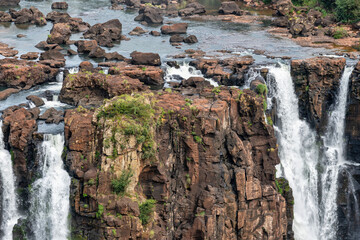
column 146, row 209
column 119, row 185
column 134, row 116
column 261, row 89
column 100, row 211
column 340, row 33
column 269, row 120
column 348, row 10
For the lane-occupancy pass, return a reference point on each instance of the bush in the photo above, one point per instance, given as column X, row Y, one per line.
column 348, row 10
column 146, row 209
column 340, row 33
column 261, row 89
column 120, row 185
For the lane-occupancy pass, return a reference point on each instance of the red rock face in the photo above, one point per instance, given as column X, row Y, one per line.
column 212, row 174
column 316, row 83
column 24, row 74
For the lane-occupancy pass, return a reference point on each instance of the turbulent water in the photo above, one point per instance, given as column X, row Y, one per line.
column 9, row 214
column 50, row 193
column 312, row 170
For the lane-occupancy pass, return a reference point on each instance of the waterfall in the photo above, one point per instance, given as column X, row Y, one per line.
column 298, row 153
column 184, row 71
column 8, row 208
column 312, row 171
column 50, row 193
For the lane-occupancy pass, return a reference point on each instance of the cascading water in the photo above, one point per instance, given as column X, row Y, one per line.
column 312, row 171
column 298, row 153
column 9, row 213
column 333, row 159
column 50, row 193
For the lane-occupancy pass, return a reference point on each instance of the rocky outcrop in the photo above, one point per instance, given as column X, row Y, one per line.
column 230, row 8
column 90, row 89
column 228, row 71
column 352, row 122
column 316, row 83
column 105, row 33
column 150, row 15
column 207, row 161
column 7, row 51
column 176, row 28
column 140, row 58
column 91, row 48
column 192, row 9
column 30, row 15
column 59, row 5
column 75, row 24
column 36, row 100
column 52, row 115
column 9, row 2
column 59, row 34
column 23, row 74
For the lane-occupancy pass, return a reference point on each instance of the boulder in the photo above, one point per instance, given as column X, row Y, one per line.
column 30, row 15
column 59, row 34
column 52, row 115
column 176, row 38
column 191, row 39
column 97, row 52
column 114, row 56
column 150, row 15
column 105, row 33
column 9, row 2
column 57, row 17
column 155, row 33
column 140, row 58
column 5, row 17
column 30, row 56
column 52, row 55
column 36, row 100
column 283, row 7
column 177, row 28
column 86, row 46
column 137, row 31
column 46, row 46
column 4, row 94
column 230, row 8
column 59, row 5
column 133, row 3
column 86, row 66
column 192, row 9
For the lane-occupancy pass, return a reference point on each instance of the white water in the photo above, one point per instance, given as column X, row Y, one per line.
column 298, row 154
column 313, row 179
column 185, row 71
column 333, row 159
column 50, row 193
column 8, row 204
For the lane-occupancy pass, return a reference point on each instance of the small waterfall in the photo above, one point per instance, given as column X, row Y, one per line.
column 299, row 155
column 8, row 209
column 50, row 193
column 312, row 170
column 184, row 71
column 333, row 159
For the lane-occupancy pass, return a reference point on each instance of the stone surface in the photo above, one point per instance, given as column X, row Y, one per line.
column 230, row 8
column 59, row 5
column 9, row 2
column 105, row 33
column 316, row 83
column 36, row 100
column 176, row 28
column 140, row 58
column 59, row 34
column 150, row 15
column 192, row 9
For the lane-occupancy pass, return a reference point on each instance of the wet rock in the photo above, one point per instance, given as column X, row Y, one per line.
column 116, row 6
column 5, row 17
column 30, row 15
column 191, row 39
column 36, row 100
column 7, row 51
column 150, row 15
column 86, row 47
column 283, row 7
column 105, row 33
column 23, row 74
column 71, row 52
column 59, row 34
column 20, row 36
column 155, row 33
column 59, row 5
column 86, row 66
column 90, row 89
column 316, row 83
column 52, row 55
column 46, row 46
column 196, row 82
column 114, row 56
column 4, row 94
column 258, row 80
column 176, row 38
column 57, row 17
column 137, row 31
column 192, row 9
column 150, row 75
column 133, row 3
column 52, row 115
column 9, row 2
column 280, row 22
column 97, row 52
column 140, row 58
column 230, row 8
column 177, row 28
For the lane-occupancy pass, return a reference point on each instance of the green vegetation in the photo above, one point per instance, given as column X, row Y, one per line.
column 282, row 185
column 261, row 89
column 146, row 209
column 269, row 120
column 200, row 214
column 114, row 232
column 134, row 115
column 216, row 90
column 120, row 185
column 340, row 33
column 100, row 211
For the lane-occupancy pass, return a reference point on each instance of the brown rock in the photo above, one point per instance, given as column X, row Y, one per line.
column 177, row 28
column 30, row 56
column 4, row 94
column 151, row 59
column 59, row 5
column 36, row 100
column 105, row 33
column 59, row 34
